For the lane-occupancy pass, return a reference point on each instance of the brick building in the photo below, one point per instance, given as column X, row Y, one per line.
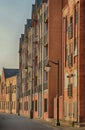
column 8, row 91
column 56, row 34
column 44, row 44
column 73, row 51
column 24, row 55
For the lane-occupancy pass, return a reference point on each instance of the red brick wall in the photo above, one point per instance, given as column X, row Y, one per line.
column 55, row 110
column 54, row 48
column 82, row 60
column 60, row 108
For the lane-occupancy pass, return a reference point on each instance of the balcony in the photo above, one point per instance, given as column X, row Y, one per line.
column 70, row 31
column 69, row 90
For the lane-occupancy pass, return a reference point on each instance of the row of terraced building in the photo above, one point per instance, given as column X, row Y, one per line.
column 54, row 35
column 51, row 62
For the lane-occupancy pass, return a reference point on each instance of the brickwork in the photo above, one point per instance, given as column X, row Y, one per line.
column 8, row 99
column 74, row 74
column 46, row 45
column 54, row 49
column 57, row 35
column 81, row 61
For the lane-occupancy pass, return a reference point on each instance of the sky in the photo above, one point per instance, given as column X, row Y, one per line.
column 13, row 15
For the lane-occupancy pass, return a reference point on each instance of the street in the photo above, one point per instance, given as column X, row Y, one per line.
column 14, row 122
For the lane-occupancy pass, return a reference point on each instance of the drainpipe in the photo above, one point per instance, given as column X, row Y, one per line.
column 77, row 67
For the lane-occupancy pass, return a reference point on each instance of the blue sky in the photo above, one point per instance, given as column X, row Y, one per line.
column 13, row 15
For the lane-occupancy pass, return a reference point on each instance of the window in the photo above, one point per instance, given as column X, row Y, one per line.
column 35, row 105
column 75, row 109
column 70, row 48
column 46, row 28
column 75, row 78
column 2, row 92
column 32, row 105
column 46, row 15
column 66, row 53
column 45, row 105
column 71, row 20
column 66, row 80
column 76, row 15
column 70, row 28
column 70, row 60
column 46, row 51
column 70, row 57
column 35, row 80
column 66, row 24
column 70, row 109
column 65, row 109
column 75, row 46
column 45, row 76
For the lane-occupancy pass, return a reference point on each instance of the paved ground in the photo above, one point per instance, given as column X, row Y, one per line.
column 14, row 122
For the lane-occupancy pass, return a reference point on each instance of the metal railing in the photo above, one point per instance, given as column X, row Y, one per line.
column 70, row 90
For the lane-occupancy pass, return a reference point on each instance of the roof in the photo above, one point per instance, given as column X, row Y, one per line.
column 10, row 72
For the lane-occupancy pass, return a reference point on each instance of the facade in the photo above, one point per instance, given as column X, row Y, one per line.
column 55, row 36
column 47, row 37
column 73, row 59
column 24, row 55
column 44, row 41
column 9, row 90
